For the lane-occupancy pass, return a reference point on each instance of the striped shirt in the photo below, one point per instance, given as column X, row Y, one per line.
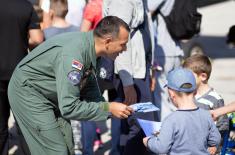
column 212, row 100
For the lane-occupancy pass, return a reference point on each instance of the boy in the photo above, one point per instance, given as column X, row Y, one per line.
column 206, row 97
column 189, row 130
column 57, row 12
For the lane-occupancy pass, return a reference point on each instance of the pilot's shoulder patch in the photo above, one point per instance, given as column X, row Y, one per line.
column 74, row 77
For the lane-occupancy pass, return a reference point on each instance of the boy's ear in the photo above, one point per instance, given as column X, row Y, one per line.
column 171, row 93
column 203, row 76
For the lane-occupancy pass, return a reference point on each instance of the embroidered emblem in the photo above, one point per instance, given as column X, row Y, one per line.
column 76, row 64
column 103, row 73
column 74, row 77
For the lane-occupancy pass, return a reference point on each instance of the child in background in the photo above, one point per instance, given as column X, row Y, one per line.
column 189, row 130
column 74, row 15
column 206, row 97
column 57, row 12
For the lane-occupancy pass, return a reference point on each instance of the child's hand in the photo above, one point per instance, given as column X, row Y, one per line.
column 145, row 140
column 156, row 133
column 212, row 150
column 214, row 115
column 232, row 135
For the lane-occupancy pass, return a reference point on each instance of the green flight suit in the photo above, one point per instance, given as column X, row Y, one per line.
column 55, row 83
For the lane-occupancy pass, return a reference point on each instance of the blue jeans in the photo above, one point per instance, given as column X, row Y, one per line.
column 115, row 133
column 88, row 137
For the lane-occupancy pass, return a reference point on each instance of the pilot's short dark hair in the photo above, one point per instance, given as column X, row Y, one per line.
column 110, row 25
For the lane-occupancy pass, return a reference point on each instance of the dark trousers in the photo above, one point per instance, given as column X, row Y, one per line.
column 131, row 133
column 88, row 136
column 4, row 114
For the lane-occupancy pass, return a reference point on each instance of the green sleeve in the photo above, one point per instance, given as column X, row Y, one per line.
column 69, row 99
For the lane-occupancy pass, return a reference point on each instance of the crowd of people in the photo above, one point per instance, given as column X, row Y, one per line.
column 52, row 79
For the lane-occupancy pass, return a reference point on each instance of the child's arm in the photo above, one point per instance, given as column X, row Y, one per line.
column 223, row 110
column 222, row 122
column 214, row 135
column 163, row 142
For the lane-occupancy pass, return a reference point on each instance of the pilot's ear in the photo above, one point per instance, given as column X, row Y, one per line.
column 107, row 40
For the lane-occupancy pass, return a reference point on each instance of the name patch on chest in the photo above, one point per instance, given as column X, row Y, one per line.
column 74, row 77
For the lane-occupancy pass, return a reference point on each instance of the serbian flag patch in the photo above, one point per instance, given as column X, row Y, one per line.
column 76, row 64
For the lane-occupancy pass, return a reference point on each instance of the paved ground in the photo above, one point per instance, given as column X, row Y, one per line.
column 216, row 21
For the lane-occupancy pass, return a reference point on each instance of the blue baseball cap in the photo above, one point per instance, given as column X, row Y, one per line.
column 180, row 76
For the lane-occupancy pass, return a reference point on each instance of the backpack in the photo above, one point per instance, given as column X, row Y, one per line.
column 184, row 21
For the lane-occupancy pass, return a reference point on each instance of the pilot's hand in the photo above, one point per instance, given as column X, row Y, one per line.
column 120, row 110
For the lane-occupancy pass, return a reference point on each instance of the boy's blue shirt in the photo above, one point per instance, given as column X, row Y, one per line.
column 186, row 132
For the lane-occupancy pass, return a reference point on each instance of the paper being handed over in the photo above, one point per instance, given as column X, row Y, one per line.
column 150, row 127
column 144, row 107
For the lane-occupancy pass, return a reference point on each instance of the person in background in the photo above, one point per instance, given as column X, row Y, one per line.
column 57, row 12
column 92, row 14
column 20, row 30
column 206, row 97
column 132, row 77
column 168, row 55
column 74, row 15
column 188, row 130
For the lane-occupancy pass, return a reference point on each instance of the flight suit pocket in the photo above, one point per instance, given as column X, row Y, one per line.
column 66, row 130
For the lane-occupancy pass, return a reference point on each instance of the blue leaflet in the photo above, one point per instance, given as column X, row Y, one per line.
column 150, row 128
column 144, row 107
